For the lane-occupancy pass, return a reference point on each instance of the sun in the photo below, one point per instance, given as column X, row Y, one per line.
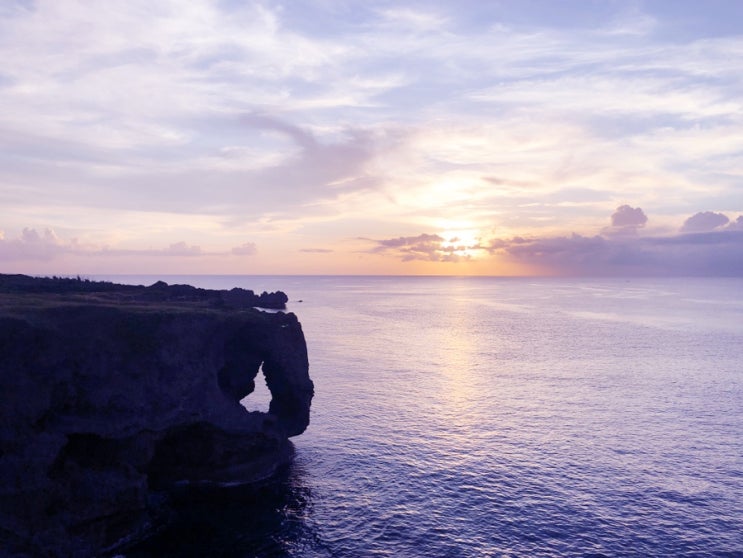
column 461, row 243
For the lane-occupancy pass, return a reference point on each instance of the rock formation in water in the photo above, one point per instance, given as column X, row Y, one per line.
column 112, row 395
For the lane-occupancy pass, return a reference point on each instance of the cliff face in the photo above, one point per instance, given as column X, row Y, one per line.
column 107, row 404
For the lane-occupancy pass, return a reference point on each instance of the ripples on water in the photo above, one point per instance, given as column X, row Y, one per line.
column 487, row 417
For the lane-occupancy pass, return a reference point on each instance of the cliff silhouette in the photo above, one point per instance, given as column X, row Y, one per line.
column 113, row 396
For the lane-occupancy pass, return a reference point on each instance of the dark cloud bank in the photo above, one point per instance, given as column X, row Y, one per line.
column 707, row 245
column 693, row 254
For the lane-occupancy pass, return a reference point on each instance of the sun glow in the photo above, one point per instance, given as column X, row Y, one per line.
column 462, row 243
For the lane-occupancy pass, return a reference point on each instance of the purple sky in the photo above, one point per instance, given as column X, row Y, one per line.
column 329, row 136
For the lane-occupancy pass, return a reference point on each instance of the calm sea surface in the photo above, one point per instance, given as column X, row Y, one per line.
column 498, row 417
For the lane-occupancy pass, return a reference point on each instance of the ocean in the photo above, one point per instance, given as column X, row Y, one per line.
column 474, row 417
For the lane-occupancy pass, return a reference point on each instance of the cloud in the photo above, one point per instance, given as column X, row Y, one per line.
column 407, row 241
column 246, row 249
column 316, row 250
column 626, row 216
column 108, row 138
column 736, row 225
column 626, row 221
column 717, row 253
column 425, row 247
column 558, row 254
column 704, row 221
column 706, row 253
column 281, row 169
column 182, row 249
column 32, row 245
column 408, row 19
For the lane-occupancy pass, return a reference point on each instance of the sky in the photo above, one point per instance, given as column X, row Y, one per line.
column 529, row 137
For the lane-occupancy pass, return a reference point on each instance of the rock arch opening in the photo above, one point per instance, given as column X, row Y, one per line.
column 242, row 381
column 260, row 398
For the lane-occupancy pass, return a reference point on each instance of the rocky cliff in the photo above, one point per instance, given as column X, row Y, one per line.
column 113, row 396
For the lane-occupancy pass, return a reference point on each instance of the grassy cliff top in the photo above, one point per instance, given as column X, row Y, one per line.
column 19, row 292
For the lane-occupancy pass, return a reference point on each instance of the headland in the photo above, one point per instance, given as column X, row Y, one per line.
column 114, row 395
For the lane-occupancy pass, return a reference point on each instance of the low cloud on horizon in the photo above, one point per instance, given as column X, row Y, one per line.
column 31, row 245
column 707, row 243
column 704, row 246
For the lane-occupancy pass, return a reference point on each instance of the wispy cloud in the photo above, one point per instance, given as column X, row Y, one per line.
column 316, row 250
